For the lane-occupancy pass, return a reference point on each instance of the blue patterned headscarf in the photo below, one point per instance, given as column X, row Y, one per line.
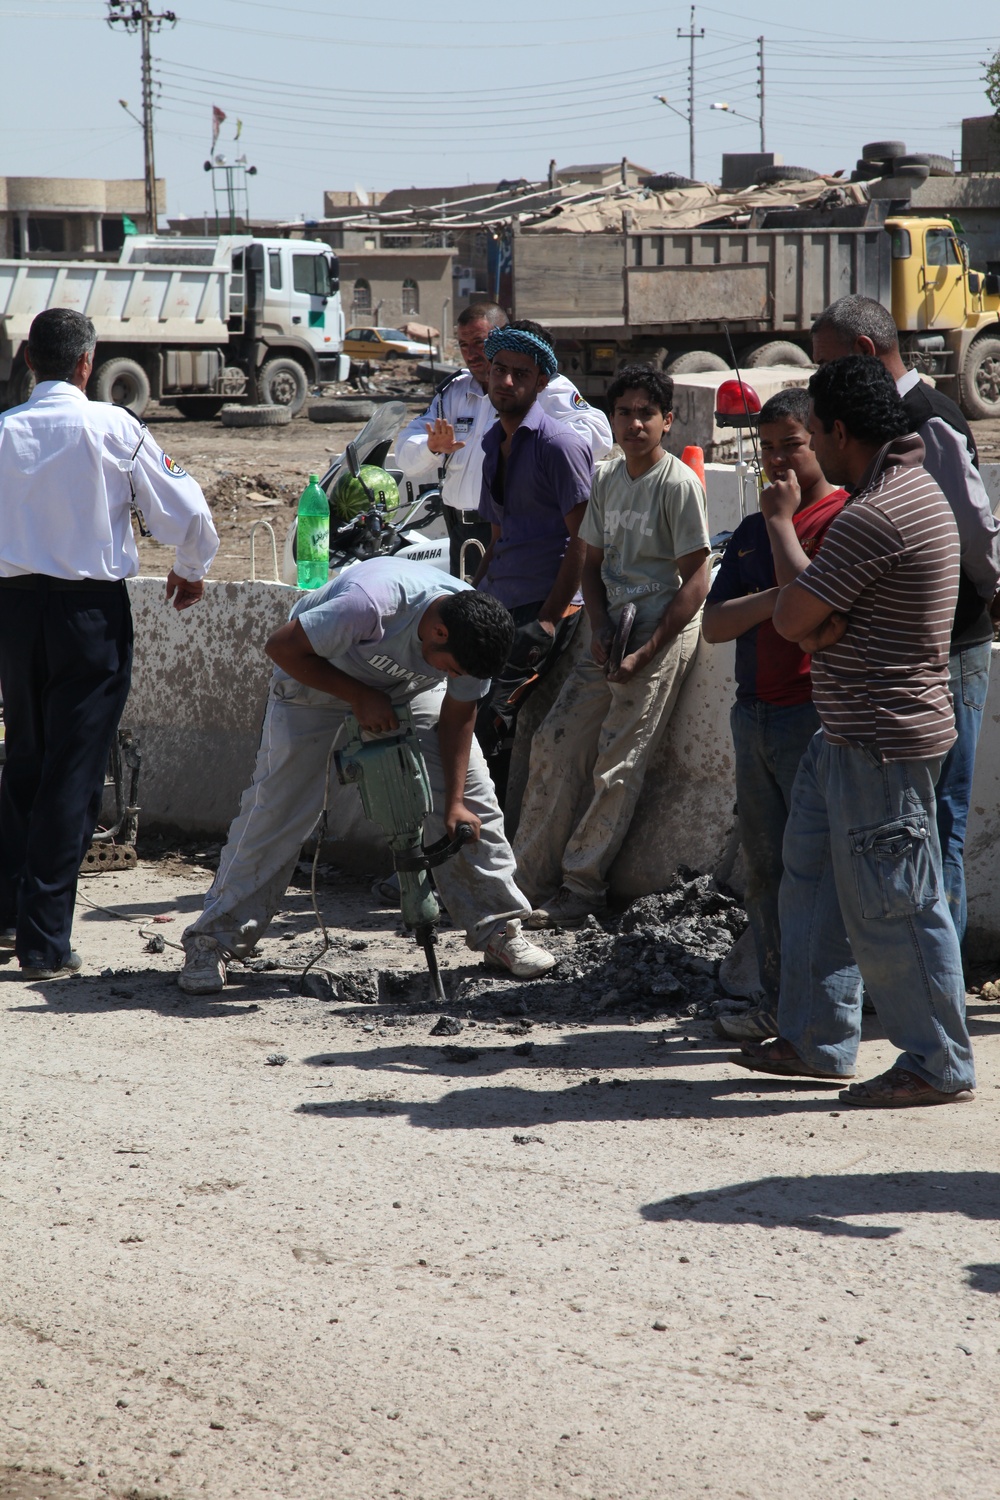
column 519, row 341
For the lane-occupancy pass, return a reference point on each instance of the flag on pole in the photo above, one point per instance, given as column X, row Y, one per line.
column 239, row 130
column 218, row 116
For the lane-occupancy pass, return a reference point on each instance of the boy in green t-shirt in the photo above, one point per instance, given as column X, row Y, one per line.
column 647, row 544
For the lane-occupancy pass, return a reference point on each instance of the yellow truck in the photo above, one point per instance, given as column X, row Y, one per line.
column 670, row 295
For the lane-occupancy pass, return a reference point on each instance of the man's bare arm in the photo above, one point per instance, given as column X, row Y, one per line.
column 734, row 617
column 483, row 568
column 567, row 580
column 455, row 727
column 693, row 568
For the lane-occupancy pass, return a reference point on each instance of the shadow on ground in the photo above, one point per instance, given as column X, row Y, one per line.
column 826, row 1204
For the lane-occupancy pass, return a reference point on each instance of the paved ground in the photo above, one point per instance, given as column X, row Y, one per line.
column 605, row 1264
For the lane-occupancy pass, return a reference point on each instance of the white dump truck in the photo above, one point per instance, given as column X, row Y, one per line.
column 187, row 321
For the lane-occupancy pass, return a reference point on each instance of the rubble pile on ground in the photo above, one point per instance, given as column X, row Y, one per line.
column 236, row 489
column 660, row 956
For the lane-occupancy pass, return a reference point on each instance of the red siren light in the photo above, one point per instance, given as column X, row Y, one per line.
column 735, row 398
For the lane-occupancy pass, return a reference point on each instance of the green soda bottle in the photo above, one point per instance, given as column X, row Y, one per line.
column 313, row 536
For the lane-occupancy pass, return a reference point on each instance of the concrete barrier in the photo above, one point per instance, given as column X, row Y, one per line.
column 198, row 696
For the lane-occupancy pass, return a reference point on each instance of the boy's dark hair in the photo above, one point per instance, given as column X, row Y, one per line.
column 528, row 325
column 859, row 391
column 658, row 387
column 793, row 403
column 480, row 631
column 56, row 340
column 852, row 318
column 482, row 312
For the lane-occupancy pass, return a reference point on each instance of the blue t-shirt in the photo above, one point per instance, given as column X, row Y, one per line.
column 767, row 666
column 365, row 622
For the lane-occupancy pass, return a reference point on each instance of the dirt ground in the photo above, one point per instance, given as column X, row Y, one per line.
column 570, row 1250
column 557, row 1254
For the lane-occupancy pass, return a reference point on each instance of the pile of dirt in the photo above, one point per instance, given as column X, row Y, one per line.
column 232, row 489
column 659, row 957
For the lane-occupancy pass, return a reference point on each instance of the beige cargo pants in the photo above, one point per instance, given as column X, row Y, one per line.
column 588, row 761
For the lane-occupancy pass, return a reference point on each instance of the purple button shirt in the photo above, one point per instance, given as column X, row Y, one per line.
column 549, row 471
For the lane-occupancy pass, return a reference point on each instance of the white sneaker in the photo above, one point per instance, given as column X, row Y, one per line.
column 204, row 971
column 512, row 950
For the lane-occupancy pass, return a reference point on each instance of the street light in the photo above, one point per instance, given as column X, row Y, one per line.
column 731, row 111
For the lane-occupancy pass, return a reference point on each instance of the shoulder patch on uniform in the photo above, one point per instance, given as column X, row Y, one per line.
column 171, row 467
column 579, row 402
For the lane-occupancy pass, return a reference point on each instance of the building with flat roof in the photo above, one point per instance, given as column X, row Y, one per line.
column 70, row 216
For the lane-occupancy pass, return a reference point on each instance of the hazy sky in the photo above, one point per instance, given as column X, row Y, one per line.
column 396, row 94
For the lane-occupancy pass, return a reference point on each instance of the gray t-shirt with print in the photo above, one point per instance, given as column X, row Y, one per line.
column 365, row 622
column 642, row 526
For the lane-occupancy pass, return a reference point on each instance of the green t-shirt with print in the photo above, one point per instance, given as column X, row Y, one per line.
column 643, row 525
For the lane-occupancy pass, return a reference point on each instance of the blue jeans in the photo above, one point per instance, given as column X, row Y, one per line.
column 969, row 679
column 863, row 889
column 769, row 740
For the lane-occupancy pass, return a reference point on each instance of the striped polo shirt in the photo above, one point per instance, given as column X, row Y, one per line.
column 890, row 562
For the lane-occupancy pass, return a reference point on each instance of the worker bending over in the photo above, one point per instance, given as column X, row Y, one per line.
column 646, row 538
column 383, row 633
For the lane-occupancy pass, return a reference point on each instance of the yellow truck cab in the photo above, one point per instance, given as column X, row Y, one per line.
column 948, row 315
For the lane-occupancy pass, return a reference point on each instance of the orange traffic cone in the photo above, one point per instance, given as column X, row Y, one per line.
column 695, row 459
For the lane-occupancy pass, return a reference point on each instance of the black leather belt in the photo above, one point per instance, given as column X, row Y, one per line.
column 41, row 581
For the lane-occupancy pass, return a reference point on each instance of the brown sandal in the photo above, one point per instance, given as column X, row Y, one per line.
column 780, row 1057
column 900, row 1089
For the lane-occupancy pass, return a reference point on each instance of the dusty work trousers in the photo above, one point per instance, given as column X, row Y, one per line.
column 588, row 762
column 281, row 807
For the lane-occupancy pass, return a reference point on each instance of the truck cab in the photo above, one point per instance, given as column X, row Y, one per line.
column 948, row 315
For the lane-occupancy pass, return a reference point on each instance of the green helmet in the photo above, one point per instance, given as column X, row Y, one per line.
column 350, row 498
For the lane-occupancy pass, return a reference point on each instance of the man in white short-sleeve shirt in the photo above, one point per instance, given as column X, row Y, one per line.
column 383, row 634
column 647, row 545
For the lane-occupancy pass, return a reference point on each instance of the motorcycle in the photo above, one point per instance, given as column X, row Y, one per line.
column 377, row 532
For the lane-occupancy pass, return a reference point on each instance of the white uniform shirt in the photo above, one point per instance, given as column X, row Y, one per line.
column 467, row 407
column 64, row 491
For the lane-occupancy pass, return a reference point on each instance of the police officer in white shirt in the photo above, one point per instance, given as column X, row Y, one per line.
column 448, row 436
column 72, row 474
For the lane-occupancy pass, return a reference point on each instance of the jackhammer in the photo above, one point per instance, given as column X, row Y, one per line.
column 390, row 774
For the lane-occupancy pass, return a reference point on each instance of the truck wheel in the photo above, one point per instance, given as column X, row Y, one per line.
column 696, row 362
column 22, row 383
column 979, row 383
column 255, row 416
column 353, row 412
column 778, row 352
column 122, row 382
column 883, row 150
column 282, row 382
column 765, row 175
column 197, row 409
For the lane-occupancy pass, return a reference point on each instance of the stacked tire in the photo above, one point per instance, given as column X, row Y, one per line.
column 891, row 159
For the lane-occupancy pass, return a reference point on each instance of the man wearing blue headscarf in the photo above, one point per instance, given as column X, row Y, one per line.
column 537, row 475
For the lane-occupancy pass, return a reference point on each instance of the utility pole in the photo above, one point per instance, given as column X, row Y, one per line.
column 760, row 88
column 692, row 37
column 135, row 15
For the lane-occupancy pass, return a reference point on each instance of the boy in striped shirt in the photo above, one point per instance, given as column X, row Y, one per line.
column 863, row 886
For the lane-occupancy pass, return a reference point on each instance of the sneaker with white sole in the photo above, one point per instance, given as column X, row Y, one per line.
column 511, row 950
column 8, row 937
column 565, row 909
column 757, row 1025
column 204, row 971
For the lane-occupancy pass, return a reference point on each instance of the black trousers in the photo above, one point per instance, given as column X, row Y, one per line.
column 459, row 531
column 65, row 667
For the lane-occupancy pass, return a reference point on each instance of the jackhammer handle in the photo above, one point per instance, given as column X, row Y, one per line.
column 464, row 834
